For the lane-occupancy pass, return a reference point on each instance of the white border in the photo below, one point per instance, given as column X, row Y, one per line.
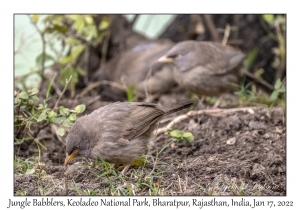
column 8, row 8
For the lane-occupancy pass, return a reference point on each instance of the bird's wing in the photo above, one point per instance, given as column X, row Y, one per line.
column 140, row 119
column 222, row 59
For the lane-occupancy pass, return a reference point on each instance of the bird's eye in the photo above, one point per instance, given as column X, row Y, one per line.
column 174, row 56
column 76, row 147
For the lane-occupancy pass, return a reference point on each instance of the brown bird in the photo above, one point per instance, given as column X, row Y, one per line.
column 205, row 68
column 119, row 133
column 138, row 67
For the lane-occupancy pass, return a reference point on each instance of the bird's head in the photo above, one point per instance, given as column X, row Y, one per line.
column 181, row 55
column 77, row 142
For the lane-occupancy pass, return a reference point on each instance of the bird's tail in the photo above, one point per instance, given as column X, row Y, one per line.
column 175, row 108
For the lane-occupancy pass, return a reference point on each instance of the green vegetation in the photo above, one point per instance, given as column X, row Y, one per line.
column 31, row 117
column 181, row 136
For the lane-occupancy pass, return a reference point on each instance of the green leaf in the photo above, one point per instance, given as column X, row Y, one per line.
column 66, row 59
column 176, row 133
column 64, row 111
column 38, row 59
column 41, row 106
column 269, row 18
column 17, row 101
column 259, row 72
column 23, row 95
column 67, row 122
column 51, row 114
column 33, row 111
column 189, row 136
column 248, row 62
column 50, row 85
column 60, row 28
column 56, row 120
column 79, row 23
column 130, row 93
column 80, row 108
column 281, row 90
column 61, row 131
column 277, row 84
column 76, row 50
column 15, row 93
column 72, row 41
column 140, row 161
column 72, row 117
column 104, row 24
column 81, row 71
column 23, row 106
column 42, row 116
column 34, row 98
column 90, row 32
column 88, row 19
column 274, row 95
column 30, row 171
column 280, row 19
column 66, row 73
column 30, row 102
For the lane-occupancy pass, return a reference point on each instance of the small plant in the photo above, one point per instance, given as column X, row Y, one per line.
column 244, row 94
column 130, row 93
column 278, row 33
column 279, row 89
column 23, row 166
column 29, row 118
column 182, row 136
column 253, row 96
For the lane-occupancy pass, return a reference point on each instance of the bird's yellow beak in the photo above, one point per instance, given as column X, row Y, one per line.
column 70, row 157
column 165, row 59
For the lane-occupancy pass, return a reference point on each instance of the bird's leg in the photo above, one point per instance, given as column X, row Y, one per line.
column 125, row 169
column 218, row 101
column 200, row 104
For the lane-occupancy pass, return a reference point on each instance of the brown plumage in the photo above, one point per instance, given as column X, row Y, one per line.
column 132, row 67
column 205, row 68
column 119, row 132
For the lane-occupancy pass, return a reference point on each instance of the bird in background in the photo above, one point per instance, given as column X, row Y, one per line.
column 205, row 68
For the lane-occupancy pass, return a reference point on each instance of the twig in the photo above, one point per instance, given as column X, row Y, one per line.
column 266, row 28
column 86, row 63
column 226, row 35
column 281, row 43
column 97, row 84
column 67, row 83
column 21, row 77
column 56, row 88
column 179, row 183
column 258, row 80
column 212, row 112
column 104, row 50
column 235, row 42
column 37, row 140
column 77, row 36
column 42, row 34
column 211, row 28
column 66, row 182
column 93, row 100
column 146, row 85
column 134, row 20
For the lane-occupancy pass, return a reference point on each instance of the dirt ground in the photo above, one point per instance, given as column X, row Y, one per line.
column 235, row 153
